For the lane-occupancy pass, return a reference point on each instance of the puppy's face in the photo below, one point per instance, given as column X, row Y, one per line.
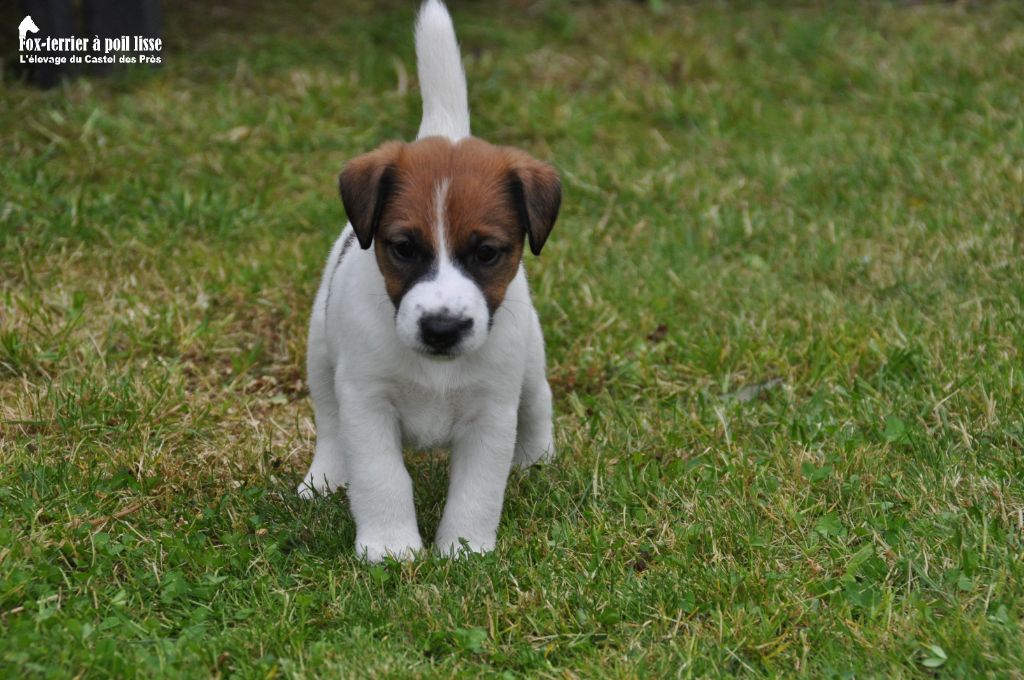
column 447, row 222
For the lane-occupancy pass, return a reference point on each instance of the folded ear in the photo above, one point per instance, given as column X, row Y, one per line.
column 537, row 195
column 365, row 183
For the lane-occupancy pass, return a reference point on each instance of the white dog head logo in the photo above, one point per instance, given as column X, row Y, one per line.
column 26, row 26
column 448, row 221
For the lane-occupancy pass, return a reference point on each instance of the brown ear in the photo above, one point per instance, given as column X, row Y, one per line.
column 537, row 195
column 365, row 184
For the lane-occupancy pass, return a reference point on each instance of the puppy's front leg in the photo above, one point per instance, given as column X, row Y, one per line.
column 379, row 486
column 480, row 463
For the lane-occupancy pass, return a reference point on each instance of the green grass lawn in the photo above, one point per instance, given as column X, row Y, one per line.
column 783, row 307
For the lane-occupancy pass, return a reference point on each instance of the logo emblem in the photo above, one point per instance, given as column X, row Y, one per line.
column 26, row 26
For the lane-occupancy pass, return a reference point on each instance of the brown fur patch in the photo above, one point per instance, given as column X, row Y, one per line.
column 495, row 197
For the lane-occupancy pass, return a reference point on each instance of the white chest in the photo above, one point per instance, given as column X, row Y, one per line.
column 427, row 418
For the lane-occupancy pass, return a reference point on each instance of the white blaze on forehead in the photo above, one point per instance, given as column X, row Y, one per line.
column 440, row 205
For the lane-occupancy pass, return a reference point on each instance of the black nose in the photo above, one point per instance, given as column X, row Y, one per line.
column 441, row 332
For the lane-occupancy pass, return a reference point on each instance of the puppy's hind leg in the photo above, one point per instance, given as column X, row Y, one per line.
column 327, row 473
column 534, row 434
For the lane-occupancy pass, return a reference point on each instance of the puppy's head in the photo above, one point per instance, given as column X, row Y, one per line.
column 447, row 221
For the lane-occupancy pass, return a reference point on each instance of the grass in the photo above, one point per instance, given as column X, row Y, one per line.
column 783, row 308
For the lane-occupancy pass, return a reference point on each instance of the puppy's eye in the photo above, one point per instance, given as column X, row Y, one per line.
column 486, row 254
column 403, row 251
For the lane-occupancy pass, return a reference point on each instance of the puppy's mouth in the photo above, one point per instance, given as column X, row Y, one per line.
column 449, row 353
column 440, row 354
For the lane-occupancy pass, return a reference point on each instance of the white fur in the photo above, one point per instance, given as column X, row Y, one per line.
column 442, row 80
column 374, row 390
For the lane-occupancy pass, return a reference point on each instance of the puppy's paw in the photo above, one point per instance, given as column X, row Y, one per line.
column 537, row 454
column 316, row 486
column 402, row 548
column 457, row 547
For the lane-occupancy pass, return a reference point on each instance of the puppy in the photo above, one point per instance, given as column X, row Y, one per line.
column 423, row 332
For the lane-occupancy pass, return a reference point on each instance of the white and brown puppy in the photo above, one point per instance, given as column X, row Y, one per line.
column 423, row 332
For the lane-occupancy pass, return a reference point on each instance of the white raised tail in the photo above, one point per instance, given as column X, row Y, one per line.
column 442, row 80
